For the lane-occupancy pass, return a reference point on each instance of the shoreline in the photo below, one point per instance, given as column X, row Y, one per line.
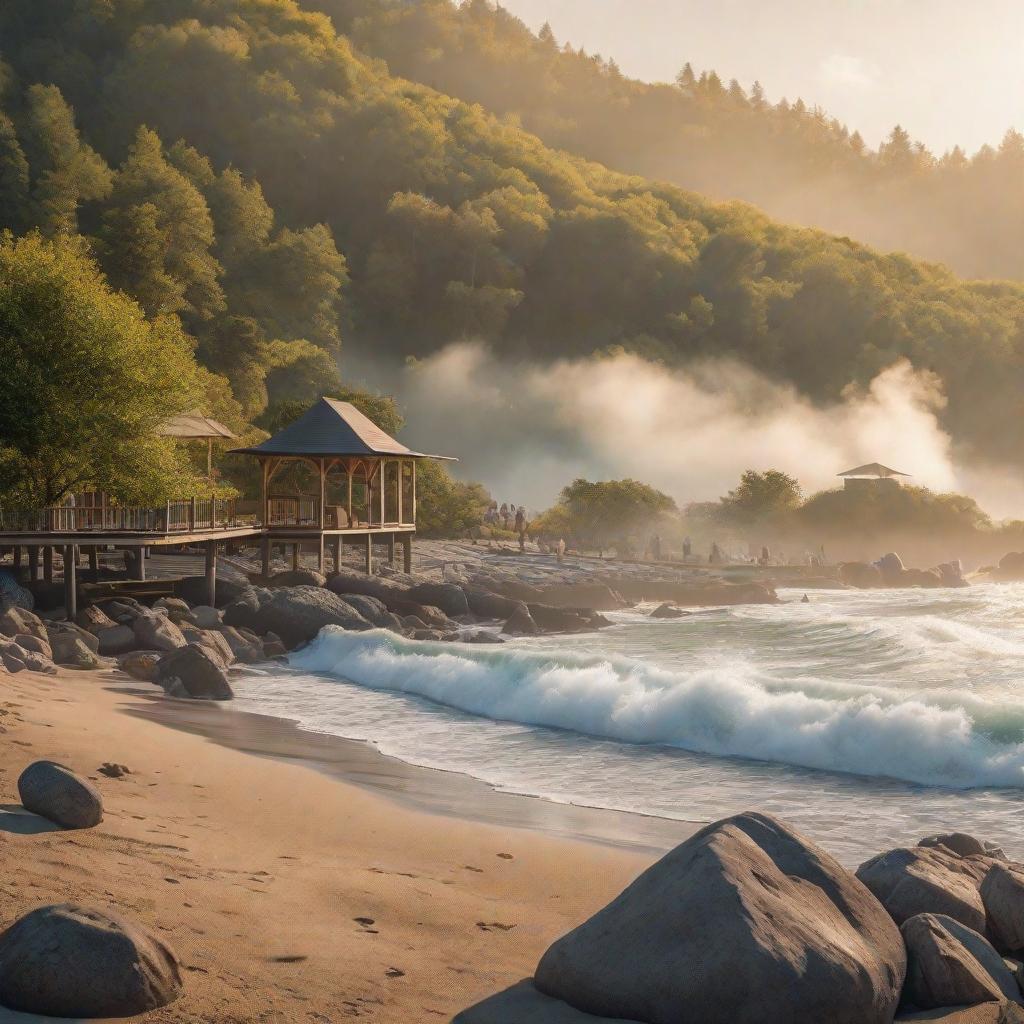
column 434, row 791
column 288, row 893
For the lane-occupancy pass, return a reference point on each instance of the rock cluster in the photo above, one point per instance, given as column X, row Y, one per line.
column 747, row 922
column 889, row 571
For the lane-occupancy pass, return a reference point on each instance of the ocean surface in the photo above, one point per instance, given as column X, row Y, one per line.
column 867, row 719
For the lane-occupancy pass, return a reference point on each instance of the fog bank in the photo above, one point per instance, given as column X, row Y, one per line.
column 525, row 430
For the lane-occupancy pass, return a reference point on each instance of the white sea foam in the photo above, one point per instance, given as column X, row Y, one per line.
column 945, row 737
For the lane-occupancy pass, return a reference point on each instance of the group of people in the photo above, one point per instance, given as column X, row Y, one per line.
column 508, row 517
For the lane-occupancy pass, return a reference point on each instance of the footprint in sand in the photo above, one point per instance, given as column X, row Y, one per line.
column 394, row 972
column 505, row 856
column 490, row 926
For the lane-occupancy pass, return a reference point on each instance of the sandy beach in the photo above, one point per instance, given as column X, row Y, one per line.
column 288, row 894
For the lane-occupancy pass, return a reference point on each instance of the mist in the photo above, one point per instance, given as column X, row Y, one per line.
column 525, row 429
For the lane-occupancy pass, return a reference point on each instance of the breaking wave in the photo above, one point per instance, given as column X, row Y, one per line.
column 935, row 737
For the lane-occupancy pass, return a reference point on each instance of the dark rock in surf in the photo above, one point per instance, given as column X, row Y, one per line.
column 193, row 671
column 860, row 575
column 521, row 623
column 668, row 611
column 447, row 596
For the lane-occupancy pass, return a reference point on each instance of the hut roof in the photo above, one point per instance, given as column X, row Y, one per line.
column 193, row 425
column 331, row 427
column 873, row 469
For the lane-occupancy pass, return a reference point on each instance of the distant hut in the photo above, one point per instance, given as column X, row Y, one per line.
column 871, row 475
column 194, row 426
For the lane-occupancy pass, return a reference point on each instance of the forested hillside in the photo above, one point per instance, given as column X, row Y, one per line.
column 708, row 134
column 238, row 164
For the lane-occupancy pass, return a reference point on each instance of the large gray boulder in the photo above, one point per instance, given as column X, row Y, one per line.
column 157, row 633
column 744, row 923
column 70, row 649
column 192, row 589
column 520, row 623
column 295, row 614
column 213, row 641
column 245, row 645
column 15, row 621
column 928, row 880
column 861, row 575
column 1002, row 893
column 56, row 793
column 371, row 608
column 297, row 578
column 115, row 640
column 140, row 665
column 891, row 567
column 949, row 964
column 449, row 597
column 349, row 581
column 491, row 606
column 124, row 610
column 559, row 620
column 960, row 843
column 94, row 619
column 192, row 671
column 74, row 961
column 207, row 617
column 175, row 609
column 72, row 629
column 15, row 658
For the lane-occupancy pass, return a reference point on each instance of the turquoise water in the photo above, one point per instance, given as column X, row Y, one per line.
column 864, row 718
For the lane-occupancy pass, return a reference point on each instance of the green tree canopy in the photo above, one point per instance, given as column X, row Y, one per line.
column 87, row 380
column 761, row 497
column 610, row 512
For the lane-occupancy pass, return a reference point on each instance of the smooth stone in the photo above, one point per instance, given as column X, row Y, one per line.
column 56, row 793
column 74, row 961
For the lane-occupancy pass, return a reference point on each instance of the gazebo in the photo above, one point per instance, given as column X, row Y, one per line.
column 194, row 426
column 334, row 475
column 872, row 474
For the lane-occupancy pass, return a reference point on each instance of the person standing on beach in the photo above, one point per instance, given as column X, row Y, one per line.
column 521, row 526
column 560, row 548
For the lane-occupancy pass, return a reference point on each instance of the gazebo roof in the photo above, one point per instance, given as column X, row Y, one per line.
column 193, row 425
column 873, row 469
column 331, row 427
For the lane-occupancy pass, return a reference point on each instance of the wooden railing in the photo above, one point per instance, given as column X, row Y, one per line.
column 299, row 510
column 180, row 516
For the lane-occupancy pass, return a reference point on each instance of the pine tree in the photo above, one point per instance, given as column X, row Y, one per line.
column 14, row 179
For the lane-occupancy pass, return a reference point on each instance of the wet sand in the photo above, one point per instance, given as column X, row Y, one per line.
column 289, row 893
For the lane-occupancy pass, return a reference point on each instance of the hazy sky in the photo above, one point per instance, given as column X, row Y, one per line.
column 949, row 71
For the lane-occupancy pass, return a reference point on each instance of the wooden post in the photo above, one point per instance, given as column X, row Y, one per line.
column 323, row 495
column 33, row 562
column 320, row 554
column 70, row 583
column 265, row 554
column 391, row 548
column 191, row 516
column 336, row 540
column 349, row 474
column 295, row 554
column 94, row 558
column 407, row 552
column 48, row 563
column 211, row 573
column 141, row 556
column 369, row 553
column 16, row 556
